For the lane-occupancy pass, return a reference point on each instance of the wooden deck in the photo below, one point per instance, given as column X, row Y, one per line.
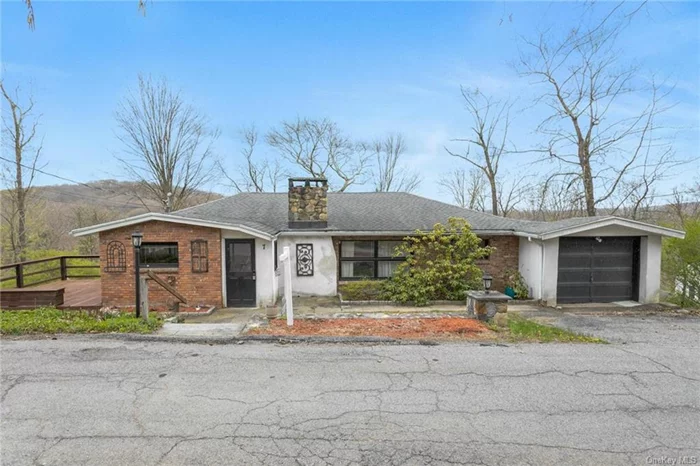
column 79, row 293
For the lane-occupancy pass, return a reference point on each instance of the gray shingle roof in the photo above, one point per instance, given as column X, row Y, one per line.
column 398, row 212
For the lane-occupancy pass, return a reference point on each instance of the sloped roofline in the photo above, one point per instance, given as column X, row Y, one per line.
column 155, row 216
column 610, row 221
column 522, row 232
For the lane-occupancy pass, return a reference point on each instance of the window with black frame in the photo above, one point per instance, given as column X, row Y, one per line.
column 155, row 255
column 368, row 259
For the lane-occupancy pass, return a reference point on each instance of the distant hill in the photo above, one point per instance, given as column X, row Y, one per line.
column 124, row 198
column 53, row 211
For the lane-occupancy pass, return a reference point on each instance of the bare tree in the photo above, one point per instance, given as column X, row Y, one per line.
column 170, row 142
column 84, row 216
column 321, row 150
column 254, row 176
column 467, row 189
column 685, row 203
column 510, row 193
column 20, row 138
column 554, row 199
column 30, row 11
column 390, row 176
column 489, row 133
column 585, row 83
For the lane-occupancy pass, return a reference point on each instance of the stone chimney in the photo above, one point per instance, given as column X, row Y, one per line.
column 308, row 203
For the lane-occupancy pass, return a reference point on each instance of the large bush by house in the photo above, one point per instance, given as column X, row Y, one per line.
column 681, row 265
column 439, row 265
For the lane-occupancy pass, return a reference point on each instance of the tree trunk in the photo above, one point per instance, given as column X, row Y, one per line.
column 587, row 175
column 21, row 208
column 21, row 230
column 494, row 197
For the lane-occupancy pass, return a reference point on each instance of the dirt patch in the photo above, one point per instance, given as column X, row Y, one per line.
column 435, row 328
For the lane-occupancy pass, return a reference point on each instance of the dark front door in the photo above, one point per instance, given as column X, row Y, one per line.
column 240, row 273
column 598, row 269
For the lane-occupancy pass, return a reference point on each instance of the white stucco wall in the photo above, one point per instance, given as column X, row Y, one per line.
column 551, row 271
column 539, row 265
column 612, row 230
column 324, row 281
column 530, row 265
column 649, row 268
column 265, row 284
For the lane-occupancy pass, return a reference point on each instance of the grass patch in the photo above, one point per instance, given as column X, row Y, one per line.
column 51, row 320
column 522, row 329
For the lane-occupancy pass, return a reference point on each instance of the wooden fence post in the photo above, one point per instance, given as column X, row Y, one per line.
column 19, row 275
column 64, row 269
column 144, row 298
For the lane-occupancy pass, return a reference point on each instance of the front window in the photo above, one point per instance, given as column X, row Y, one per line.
column 368, row 259
column 159, row 255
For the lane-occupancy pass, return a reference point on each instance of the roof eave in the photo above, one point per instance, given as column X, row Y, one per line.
column 154, row 216
column 614, row 221
column 328, row 232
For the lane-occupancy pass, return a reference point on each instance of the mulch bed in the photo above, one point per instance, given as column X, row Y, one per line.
column 437, row 327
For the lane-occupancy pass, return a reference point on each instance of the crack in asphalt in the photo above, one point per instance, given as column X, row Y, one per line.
column 163, row 403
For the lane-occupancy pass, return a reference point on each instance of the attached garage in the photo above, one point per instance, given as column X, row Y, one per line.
column 598, row 269
column 593, row 260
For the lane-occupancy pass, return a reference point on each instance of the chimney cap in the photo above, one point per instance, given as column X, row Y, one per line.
column 307, row 181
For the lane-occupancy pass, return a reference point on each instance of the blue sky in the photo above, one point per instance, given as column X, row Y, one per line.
column 372, row 67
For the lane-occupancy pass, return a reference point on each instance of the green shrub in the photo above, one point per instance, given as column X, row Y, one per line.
column 439, row 265
column 514, row 279
column 681, row 265
column 679, row 299
column 362, row 290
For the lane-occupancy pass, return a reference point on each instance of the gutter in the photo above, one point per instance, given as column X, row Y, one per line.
column 302, row 232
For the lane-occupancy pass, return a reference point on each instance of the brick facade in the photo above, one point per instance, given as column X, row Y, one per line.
column 206, row 288
column 505, row 255
column 199, row 288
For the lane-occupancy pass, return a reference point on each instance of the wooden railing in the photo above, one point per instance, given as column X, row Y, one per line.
column 39, row 271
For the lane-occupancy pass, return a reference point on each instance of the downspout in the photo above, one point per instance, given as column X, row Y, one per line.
column 541, row 243
column 274, row 271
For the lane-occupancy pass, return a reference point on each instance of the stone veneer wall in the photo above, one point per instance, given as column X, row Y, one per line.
column 308, row 203
column 197, row 288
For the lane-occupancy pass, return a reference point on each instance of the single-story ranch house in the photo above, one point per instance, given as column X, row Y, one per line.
column 225, row 252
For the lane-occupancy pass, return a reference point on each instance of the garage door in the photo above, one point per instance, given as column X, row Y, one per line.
column 598, row 270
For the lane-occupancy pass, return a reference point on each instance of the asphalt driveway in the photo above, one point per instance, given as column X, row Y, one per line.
column 626, row 327
column 109, row 402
